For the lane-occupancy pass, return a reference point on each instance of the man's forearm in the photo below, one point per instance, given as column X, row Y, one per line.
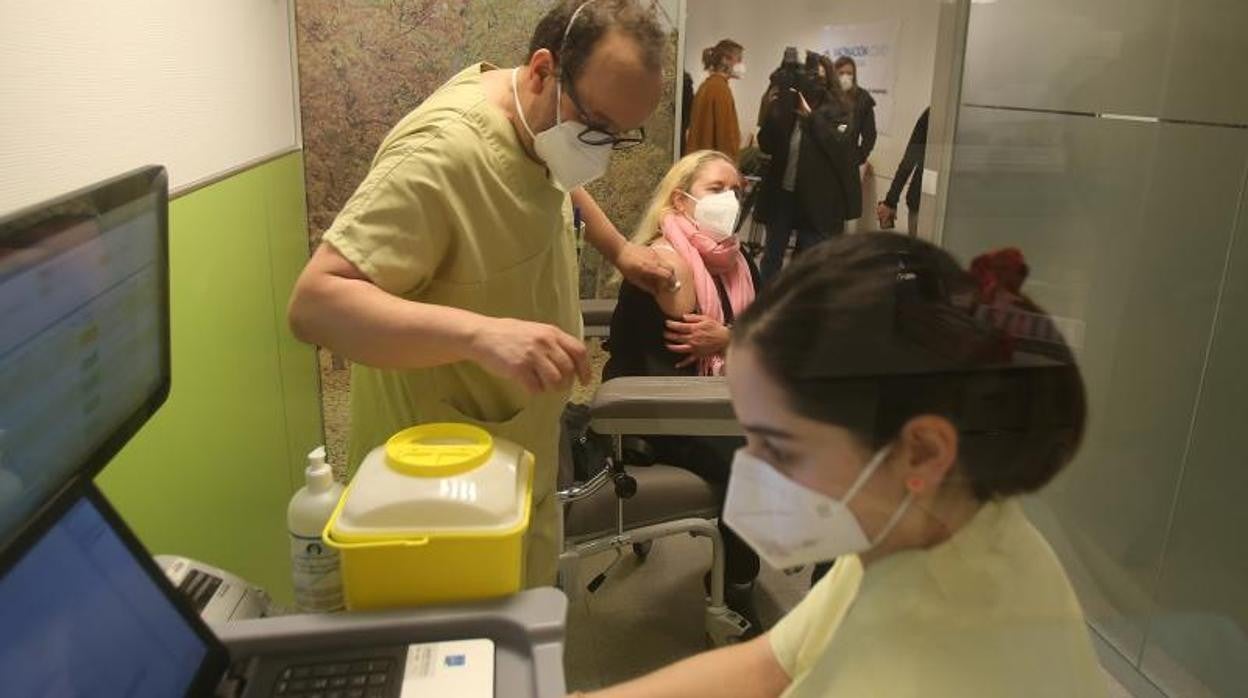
column 599, row 230
column 360, row 322
column 894, row 189
column 905, row 169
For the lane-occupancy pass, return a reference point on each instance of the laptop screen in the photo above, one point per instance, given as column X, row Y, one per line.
column 82, row 617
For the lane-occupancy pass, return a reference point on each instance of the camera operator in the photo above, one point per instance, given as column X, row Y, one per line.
column 812, row 187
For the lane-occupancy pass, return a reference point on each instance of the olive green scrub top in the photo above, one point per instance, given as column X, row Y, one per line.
column 453, row 212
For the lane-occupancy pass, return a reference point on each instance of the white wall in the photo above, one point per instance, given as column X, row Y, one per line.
column 766, row 28
column 90, row 89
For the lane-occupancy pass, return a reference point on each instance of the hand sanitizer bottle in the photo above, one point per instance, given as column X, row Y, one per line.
column 315, row 568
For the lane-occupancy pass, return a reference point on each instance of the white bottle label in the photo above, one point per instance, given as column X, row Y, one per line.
column 317, row 575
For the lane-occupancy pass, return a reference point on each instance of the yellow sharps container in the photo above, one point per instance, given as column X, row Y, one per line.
column 436, row 515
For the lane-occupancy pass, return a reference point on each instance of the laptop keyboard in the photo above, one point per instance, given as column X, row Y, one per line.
column 362, row 678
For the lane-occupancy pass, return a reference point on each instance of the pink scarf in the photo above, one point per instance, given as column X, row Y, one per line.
column 709, row 259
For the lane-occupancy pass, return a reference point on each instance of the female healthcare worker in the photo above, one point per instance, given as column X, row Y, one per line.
column 449, row 278
column 890, row 429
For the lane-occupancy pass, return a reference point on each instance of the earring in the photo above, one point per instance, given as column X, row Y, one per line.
column 916, row 484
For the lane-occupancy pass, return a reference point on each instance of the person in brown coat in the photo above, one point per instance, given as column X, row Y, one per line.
column 713, row 124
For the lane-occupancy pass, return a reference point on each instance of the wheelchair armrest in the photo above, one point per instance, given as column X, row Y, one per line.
column 665, row 406
column 596, row 314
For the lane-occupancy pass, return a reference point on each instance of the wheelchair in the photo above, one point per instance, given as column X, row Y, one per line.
column 625, row 508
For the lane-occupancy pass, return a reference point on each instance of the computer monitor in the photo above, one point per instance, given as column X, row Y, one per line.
column 84, row 340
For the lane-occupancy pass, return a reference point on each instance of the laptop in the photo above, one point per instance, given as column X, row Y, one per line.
column 84, row 361
column 87, row 612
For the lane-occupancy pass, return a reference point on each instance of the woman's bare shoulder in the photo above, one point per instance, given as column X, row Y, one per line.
column 682, row 300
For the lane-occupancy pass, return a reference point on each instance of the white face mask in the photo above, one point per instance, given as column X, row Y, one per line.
column 572, row 163
column 847, row 81
column 789, row 525
column 716, row 214
column 738, row 70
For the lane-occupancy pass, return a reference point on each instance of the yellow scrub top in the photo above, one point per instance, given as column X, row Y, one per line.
column 454, row 213
column 987, row 613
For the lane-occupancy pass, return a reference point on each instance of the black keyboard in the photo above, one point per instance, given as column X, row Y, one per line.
column 361, row 678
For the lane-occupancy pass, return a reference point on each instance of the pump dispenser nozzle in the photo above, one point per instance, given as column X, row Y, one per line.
column 320, row 477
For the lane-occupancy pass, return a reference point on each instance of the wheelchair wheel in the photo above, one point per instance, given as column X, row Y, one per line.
column 642, row 550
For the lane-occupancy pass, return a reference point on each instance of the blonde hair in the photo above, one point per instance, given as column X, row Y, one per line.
column 681, row 176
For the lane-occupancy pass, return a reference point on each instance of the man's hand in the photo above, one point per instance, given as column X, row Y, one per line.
column 644, row 268
column 540, row 357
column 886, row 214
column 698, row 336
column 803, row 107
column 640, row 265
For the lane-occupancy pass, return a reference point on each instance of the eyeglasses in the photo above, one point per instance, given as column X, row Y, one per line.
column 598, row 134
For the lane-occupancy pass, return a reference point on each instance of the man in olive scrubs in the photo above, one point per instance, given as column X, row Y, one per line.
column 450, row 277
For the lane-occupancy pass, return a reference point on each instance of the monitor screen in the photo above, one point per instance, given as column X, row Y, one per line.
column 82, row 617
column 84, row 341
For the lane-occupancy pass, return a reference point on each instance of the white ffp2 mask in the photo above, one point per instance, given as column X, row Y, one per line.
column 716, row 214
column 789, row 525
column 847, row 81
column 572, row 163
column 738, row 70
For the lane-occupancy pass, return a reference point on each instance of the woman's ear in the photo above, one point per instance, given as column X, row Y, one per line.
column 679, row 201
column 930, row 450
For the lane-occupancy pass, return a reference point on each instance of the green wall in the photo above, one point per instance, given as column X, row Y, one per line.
column 209, row 477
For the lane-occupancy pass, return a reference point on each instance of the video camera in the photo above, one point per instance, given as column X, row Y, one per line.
column 792, row 75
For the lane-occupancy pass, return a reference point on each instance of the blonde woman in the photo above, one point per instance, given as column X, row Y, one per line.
column 689, row 224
